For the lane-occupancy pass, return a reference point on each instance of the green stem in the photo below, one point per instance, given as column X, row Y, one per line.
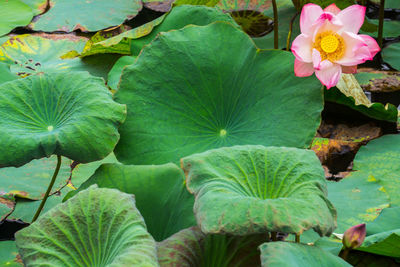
column 381, row 20
column 276, row 38
column 344, row 254
column 290, row 31
column 273, row 236
column 297, row 238
column 46, row 195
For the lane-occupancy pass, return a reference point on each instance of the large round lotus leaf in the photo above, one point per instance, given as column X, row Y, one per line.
column 27, row 54
column 70, row 115
column 160, row 192
column 98, row 227
column 391, row 55
column 255, row 189
column 31, row 180
column 87, row 16
column 190, row 247
column 286, row 254
column 14, row 13
column 180, row 17
column 114, row 76
column 185, row 98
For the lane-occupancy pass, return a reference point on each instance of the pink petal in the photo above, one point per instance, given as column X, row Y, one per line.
column 333, row 9
column 329, row 74
column 352, row 18
column 357, row 51
column 371, row 43
column 349, row 69
column 326, row 23
column 302, row 69
column 301, row 48
column 316, row 59
column 309, row 14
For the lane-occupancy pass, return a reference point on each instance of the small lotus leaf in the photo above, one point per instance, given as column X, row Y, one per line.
column 391, row 55
column 98, row 227
column 253, row 189
column 70, row 115
column 224, row 92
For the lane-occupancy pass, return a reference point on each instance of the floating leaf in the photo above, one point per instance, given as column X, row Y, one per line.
column 5, row 73
column 37, row 6
column 391, row 55
column 253, row 189
column 14, row 13
column 209, row 3
column 98, row 227
column 190, row 247
column 160, row 192
column 70, row 115
column 86, row 16
column 7, row 204
column 8, row 254
column 32, row 179
column 114, row 76
column 158, row 5
column 388, row 220
column 364, row 78
column 390, row 28
column 386, row 243
column 203, row 102
column 277, row 254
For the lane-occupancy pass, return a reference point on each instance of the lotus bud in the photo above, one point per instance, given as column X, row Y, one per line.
column 354, row 236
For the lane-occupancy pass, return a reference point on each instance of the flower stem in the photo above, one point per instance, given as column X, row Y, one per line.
column 297, row 238
column 289, row 37
column 344, row 253
column 46, row 195
column 276, row 38
column 381, row 19
column 274, row 236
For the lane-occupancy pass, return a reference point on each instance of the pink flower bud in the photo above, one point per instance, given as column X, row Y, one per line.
column 354, row 236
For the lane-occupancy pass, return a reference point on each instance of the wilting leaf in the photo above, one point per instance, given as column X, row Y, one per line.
column 254, row 189
column 386, row 243
column 160, row 192
column 350, row 87
column 278, row 254
column 32, row 179
column 98, row 227
column 7, row 204
column 87, row 16
column 70, row 115
column 190, row 247
column 224, row 92
column 115, row 73
column 8, row 254
column 14, row 13
column 391, row 55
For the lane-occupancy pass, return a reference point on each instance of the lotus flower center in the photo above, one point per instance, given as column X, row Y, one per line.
column 50, row 128
column 222, row 133
column 329, row 43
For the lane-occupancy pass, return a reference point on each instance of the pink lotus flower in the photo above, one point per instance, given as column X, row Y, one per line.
column 329, row 43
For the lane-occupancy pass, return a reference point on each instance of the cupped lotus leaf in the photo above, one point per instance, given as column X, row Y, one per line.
column 376, row 111
column 286, row 254
column 7, row 205
column 253, row 189
column 98, row 227
column 180, row 17
column 114, row 76
column 391, row 55
column 358, row 198
column 8, row 254
column 160, row 192
column 388, row 220
column 225, row 92
column 14, row 13
column 35, row 53
column 32, row 179
column 70, row 115
column 190, row 247
column 385, row 244
column 86, row 16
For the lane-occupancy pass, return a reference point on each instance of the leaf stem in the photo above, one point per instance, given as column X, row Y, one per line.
column 297, row 238
column 46, row 195
column 289, row 37
column 381, row 20
column 276, row 38
column 274, row 236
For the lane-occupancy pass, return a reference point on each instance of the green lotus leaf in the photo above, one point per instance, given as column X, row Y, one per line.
column 5, row 73
column 254, row 189
column 392, row 4
column 32, row 179
column 160, row 192
column 114, row 76
column 37, row 6
column 203, row 102
column 98, row 227
column 358, row 198
column 209, row 3
column 180, row 17
column 388, row 220
column 27, row 54
column 285, row 254
column 386, row 244
column 8, row 254
column 376, row 111
column 391, row 55
column 390, row 28
column 364, row 78
column 68, row 115
column 7, row 205
column 13, row 14
column 87, row 16
column 190, row 247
